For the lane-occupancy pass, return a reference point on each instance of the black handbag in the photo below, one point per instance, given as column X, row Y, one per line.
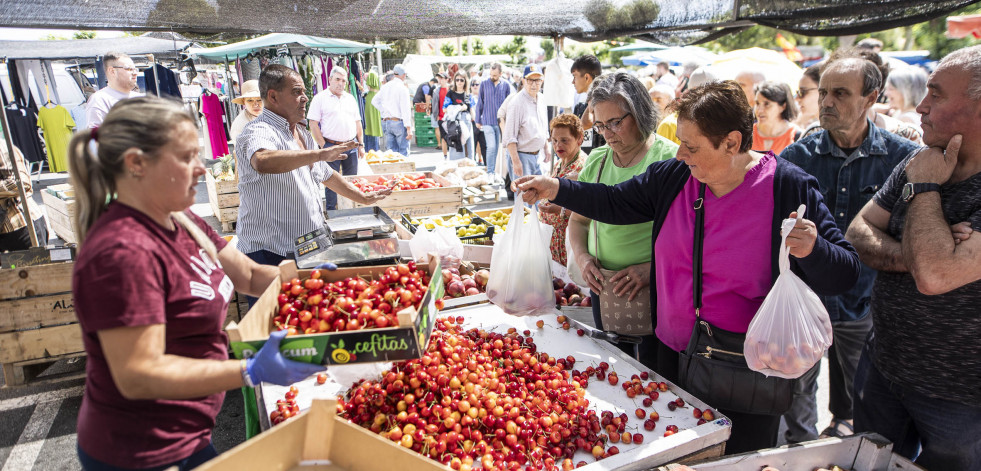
column 712, row 367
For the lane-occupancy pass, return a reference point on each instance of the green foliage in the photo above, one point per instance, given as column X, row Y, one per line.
column 615, row 57
column 51, row 37
column 605, row 16
column 447, row 49
column 83, row 35
column 495, row 49
column 478, row 47
column 930, row 35
column 517, row 49
column 549, row 46
column 400, row 48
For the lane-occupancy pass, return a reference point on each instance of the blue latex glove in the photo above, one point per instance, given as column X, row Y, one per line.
column 270, row 366
column 327, row 266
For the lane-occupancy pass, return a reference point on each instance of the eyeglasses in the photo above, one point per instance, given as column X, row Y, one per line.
column 613, row 125
column 128, row 69
column 802, row 92
column 534, row 80
column 460, row 81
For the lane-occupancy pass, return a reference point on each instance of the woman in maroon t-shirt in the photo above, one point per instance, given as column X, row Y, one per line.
column 151, row 288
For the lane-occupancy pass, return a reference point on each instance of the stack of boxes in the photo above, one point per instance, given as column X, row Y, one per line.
column 425, row 132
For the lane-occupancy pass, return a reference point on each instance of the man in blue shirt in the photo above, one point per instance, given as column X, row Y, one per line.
column 492, row 94
column 851, row 159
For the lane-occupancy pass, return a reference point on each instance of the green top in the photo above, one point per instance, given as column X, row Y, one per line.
column 373, row 124
column 622, row 246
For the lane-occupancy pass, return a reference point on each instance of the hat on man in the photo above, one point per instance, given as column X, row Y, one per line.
column 699, row 77
column 533, row 69
column 398, row 69
column 442, row 75
column 250, row 89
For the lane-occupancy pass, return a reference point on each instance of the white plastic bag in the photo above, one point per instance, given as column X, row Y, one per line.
column 791, row 330
column 521, row 270
column 442, row 241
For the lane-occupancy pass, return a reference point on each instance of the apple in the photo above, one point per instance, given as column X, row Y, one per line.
column 575, row 299
column 472, row 291
column 447, row 276
column 557, row 283
column 469, row 283
column 559, row 297
column 456, row 289
column 481, row 277
column 571, row 289
column 586, row 301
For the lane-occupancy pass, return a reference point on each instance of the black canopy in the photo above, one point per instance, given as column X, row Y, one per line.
column 666, row 21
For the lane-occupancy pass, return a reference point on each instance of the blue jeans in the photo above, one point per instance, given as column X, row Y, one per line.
column 945, row 434
column 529, row 164
column 264, row 257
column 348, row 166
column 197, row 459
column 395, row 136
column 492, row 136
column 371, row 143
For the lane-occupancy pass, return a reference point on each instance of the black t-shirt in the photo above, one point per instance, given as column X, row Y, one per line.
column 591, row 139
column 929, row 343
column 457, row 98
column 421, row 93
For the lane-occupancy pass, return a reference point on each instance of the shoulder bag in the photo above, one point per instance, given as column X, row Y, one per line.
column 712, row 367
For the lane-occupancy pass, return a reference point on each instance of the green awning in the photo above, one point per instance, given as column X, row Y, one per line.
column 328, row 45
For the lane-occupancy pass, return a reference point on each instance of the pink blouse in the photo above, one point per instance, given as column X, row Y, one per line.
column 736, row 267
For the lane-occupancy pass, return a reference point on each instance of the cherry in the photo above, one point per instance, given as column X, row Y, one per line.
column 321, row 378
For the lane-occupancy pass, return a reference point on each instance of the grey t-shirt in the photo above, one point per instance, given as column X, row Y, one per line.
column 931, row 344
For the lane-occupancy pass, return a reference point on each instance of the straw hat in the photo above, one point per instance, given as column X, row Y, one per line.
column 250, row 89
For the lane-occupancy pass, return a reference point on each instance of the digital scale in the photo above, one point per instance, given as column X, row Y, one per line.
column 350, row 237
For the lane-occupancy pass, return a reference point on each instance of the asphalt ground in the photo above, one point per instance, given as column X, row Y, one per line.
column 38, row 420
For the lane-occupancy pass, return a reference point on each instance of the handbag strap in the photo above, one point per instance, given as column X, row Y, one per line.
column 699, row 207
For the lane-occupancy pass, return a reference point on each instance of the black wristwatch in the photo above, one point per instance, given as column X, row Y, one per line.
column 912, row 189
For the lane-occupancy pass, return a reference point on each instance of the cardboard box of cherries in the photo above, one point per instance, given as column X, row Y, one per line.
column 351, row 315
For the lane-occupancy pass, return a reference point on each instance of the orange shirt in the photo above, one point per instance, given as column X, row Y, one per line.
column 776, row 144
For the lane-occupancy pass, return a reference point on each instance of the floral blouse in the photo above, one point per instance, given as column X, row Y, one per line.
column 560, row 221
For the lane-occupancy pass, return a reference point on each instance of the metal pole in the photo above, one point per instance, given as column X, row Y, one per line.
column 378, row 57
column 156, row 79
column 16, row 168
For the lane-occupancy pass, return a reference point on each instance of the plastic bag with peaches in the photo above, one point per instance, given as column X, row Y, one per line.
column 520, row 280
column 791, row 330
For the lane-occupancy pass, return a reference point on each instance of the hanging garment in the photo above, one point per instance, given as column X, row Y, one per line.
column 238, row 71
column 324, row 75
column 57, row 125
column 250, row 69
column 211, row 107
column 19, row 88
column 558, row 89
column 164, row 80
column 24, row 133
column 78, row 115
column 372, row 121
column 100, row 73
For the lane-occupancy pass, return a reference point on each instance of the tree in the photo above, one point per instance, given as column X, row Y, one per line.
column 400, row 48
column 447, row 49
column 83, row 35
column 549, row 46
column 517, row 49
column 51, row 37
column 478, row 47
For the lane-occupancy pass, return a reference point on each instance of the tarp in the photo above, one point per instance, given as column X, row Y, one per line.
column 674, row 22
column 772, row 64
column 328, row 45
column 964, row 26
column 88, row 48
column 675, row 56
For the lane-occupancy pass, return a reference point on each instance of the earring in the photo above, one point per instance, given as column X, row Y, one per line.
column 135, row 175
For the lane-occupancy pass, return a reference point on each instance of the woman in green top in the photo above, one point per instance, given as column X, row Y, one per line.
column 372, row 124
column 619, row 257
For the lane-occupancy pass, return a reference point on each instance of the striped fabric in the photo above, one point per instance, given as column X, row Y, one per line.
column 490, row 99
column 276, row 209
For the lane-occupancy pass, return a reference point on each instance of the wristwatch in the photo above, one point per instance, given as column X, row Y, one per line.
column 912, row 189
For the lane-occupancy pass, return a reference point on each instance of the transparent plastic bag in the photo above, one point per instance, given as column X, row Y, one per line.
column 521, row 267
column 791, row 330
column 441, row 241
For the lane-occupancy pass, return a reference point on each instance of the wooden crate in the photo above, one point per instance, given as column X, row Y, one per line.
column 393, row 167
column 317, row 440
column 424, row 202
column 37, row 318
column 224, row 200
column 61, row 213
column 484, row 194
column 860, row 452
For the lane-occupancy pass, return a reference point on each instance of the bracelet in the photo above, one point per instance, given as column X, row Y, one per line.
column 246, row 379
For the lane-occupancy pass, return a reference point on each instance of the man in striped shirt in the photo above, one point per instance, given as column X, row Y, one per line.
column 491, row 96
column 281, row 170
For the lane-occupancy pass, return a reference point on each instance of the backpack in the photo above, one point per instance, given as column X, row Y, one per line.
column 453, row 134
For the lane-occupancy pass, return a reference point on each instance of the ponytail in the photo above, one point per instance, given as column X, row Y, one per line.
column 93, row 185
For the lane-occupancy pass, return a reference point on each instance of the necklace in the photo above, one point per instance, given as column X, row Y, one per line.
column 620, row 163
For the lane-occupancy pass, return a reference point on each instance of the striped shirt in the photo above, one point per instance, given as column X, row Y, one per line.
column 490, row 98
column 275, row 209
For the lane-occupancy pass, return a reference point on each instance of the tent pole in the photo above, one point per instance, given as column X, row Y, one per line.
column 378, row 56
column 231, row 87
column 29, row 221
column 156, row 79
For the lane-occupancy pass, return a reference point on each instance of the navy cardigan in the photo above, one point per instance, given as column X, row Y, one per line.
column 831, row 268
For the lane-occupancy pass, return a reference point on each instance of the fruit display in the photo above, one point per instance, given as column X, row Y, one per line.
column 314, row 305
column 569, row 294
column 397, row 182
column 500, row 220
column 467, row 226
column 224, row 168
column 458, row 285
column 383, row 157
column 494, row 400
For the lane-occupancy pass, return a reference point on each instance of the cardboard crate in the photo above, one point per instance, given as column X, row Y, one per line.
column 60, row 212
column 318, row 440
column 405, row 341
column 860, row 452
column 423, row 202
column 224, row 199
column 37, row 318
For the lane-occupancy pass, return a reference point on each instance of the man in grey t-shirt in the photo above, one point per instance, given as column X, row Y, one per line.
column 919, row 380
column 121, row 74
